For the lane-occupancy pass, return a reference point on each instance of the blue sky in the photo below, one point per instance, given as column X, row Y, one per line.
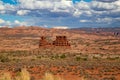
column 76, row 1
column 60, row 13
column 10, row 1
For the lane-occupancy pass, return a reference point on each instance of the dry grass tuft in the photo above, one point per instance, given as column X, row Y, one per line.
column 49, row 76
column 23, row 75
column 6, row 76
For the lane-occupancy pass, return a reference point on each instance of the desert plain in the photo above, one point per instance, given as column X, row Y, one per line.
column 94, row 53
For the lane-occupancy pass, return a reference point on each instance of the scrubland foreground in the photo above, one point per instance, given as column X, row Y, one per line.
column 94, row 54
column 24, row 75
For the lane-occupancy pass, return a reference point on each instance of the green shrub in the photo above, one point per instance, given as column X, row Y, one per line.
column 62, row 56
column 39, row 57
column 55, row 57
column 95, row 57
column 4, row 59
column 78, row 58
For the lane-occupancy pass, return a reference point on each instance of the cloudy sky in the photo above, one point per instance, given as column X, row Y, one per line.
column 65, row 13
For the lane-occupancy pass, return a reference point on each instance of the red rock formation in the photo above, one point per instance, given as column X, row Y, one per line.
column 60, row 41
column 43, row 42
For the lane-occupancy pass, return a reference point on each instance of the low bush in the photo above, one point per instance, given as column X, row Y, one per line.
column 78, row 58
column 62, row 56
column 4, row 59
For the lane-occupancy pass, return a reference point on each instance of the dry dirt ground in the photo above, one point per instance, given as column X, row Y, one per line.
column 94, row 53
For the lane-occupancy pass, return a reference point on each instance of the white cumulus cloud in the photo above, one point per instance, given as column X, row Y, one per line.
column 2, row 21
column 18, row 23
column 61, row 27
column 15, row 23
column 85, row 21
column 2, row 7
column 22, row 12
column 99, row 10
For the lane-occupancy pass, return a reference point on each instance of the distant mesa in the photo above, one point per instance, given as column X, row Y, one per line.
column 60, row 41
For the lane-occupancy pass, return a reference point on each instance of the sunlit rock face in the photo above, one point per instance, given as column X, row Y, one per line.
column 59, row 41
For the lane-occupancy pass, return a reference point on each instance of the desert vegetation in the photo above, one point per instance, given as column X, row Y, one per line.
column 92, row 55
column 87, row 66
column 24, row 75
